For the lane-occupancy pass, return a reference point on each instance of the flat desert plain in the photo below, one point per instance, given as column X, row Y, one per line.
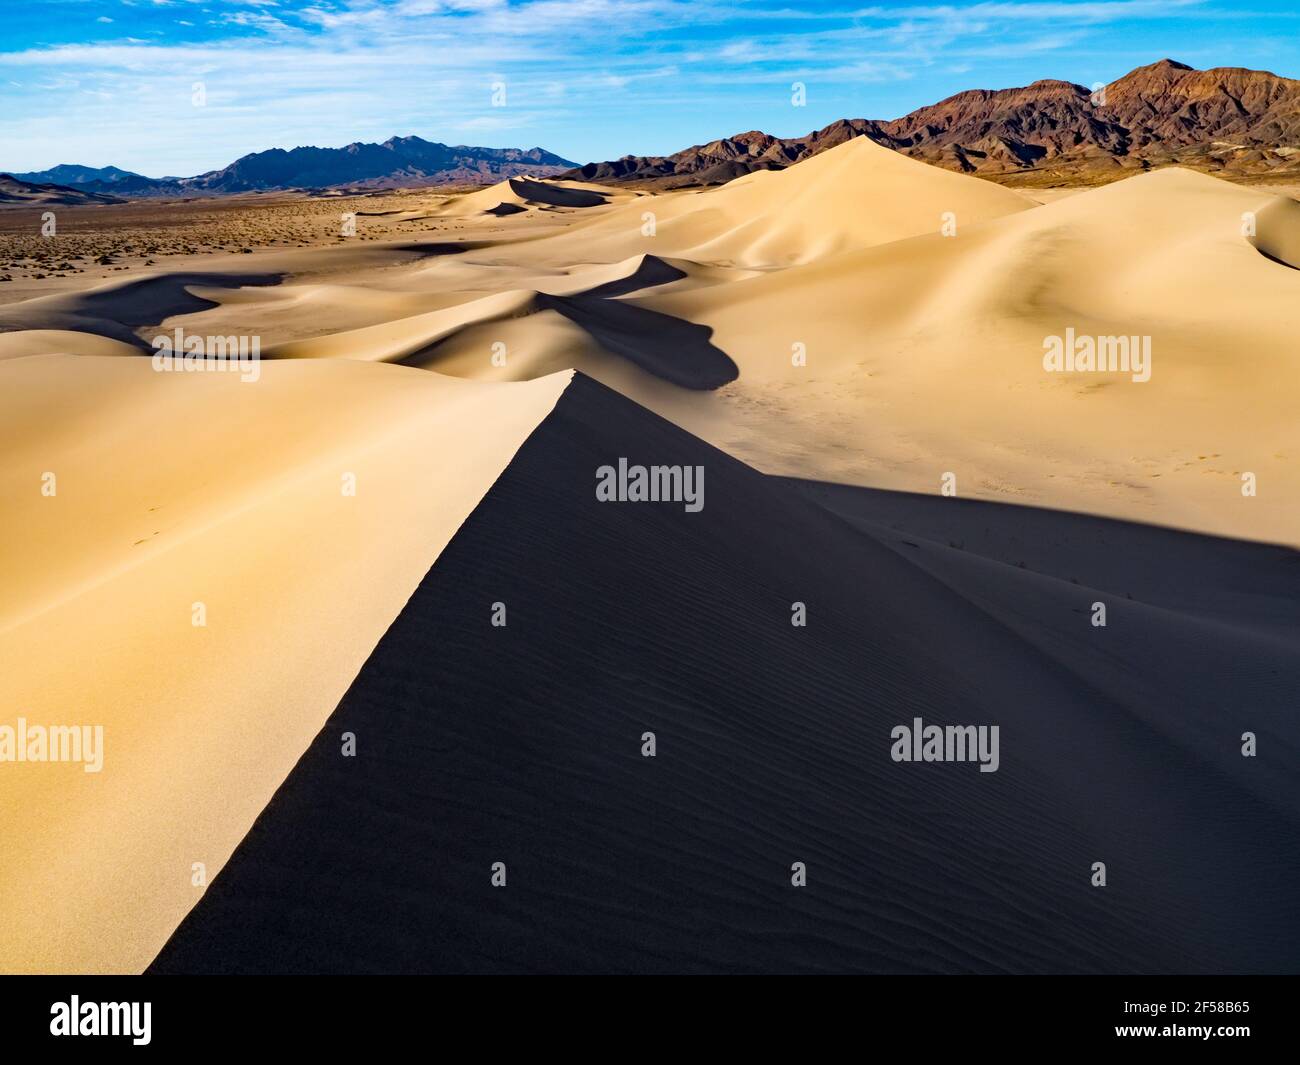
column 229, row 572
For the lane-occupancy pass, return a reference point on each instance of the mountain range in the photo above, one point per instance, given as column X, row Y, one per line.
column 1231, row 121
column 15, row 191
column 397, row 162
column 1237, row 123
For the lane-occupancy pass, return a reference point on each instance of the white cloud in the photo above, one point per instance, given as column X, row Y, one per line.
column 332, row 71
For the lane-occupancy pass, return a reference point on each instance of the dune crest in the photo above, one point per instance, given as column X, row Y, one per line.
column 217, row 561
column 524, row 745
column 518, row 195
column 856, row 195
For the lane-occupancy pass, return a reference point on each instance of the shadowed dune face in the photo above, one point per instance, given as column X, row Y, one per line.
column 216, row 562
column 1276, row 231
column 426, row 250
column 522, row 744
column 669, row 348
column 1254, row 581
column 517, row 196
column 650, row 271
column 117, row 311
column 124, row 310
column 556, row 195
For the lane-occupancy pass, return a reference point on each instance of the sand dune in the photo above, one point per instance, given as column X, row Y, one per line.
column 928, row 355
column 1277, row 230
column 857, row 318
column 406, row 338
column 117, row 309
column 923, row 345
column 671, row 349
column 522, row 744
column 26, row 342
column 924, row 355
column 517, row 195
column 184, row 488
column 854, row 196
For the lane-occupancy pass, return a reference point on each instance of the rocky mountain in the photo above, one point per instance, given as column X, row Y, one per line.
column 398, row 162
column 106, row 179
column 1235, row 122
column 75, row 175
column 721, row 160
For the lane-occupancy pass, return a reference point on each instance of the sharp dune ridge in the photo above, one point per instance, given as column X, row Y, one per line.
column 518, row 195
column 186, row 492
column 856, row 195
column 669, row 348
column 830, row 341
column 521, row 745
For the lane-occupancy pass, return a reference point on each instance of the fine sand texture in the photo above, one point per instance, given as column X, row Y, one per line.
column 522, row 744
column 203, row 586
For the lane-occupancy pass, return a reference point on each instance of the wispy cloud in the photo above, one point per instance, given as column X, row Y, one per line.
column 587, row 78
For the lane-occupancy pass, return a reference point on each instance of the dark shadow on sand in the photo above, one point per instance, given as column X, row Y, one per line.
column 118, row 312
column 1258, row 581
column 555, row 195
column 651, row 272
column 676, row 350
column 523, row 744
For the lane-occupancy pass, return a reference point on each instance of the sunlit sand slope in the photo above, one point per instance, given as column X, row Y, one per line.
column 926, row 356
column 204, row 584
column 854, row 196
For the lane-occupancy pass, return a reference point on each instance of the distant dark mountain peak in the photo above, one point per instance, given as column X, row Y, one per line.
column 74, row 174
column 16, row 191
column 1164, row 112
column 400, row 161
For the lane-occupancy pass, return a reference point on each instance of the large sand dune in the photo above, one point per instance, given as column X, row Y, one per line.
column 184, row 488
column 918, row 300
column 927, row 354
column 859, row 325
column 522, row 744
column 854, row 196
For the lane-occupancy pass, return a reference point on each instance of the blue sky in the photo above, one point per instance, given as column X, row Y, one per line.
column 111, row 81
